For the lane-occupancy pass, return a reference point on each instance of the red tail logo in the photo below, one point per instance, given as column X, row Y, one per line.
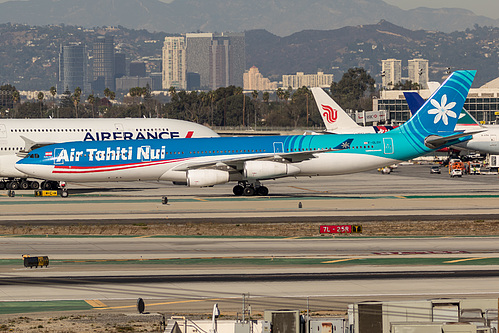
column 330, row 114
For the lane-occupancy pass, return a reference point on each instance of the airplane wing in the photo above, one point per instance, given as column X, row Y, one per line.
column 30, row 145
column 237, row 163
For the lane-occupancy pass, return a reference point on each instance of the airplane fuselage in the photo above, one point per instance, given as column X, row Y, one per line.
column 46, row 131
column 168, row 160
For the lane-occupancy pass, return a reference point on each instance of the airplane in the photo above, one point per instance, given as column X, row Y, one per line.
column 249, row 160
column 485, row 141
column 19, row 136
column 336, row 120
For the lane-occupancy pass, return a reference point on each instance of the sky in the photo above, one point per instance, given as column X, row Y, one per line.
column 489, row 8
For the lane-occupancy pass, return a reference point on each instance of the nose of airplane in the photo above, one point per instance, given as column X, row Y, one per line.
column 27, row 168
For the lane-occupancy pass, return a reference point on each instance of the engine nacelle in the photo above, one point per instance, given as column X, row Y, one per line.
column 268, row 169
column 206, row 177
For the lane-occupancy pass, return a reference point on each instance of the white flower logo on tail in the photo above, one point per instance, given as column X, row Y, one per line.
column 443, row 110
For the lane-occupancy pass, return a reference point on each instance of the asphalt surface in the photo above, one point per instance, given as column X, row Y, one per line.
column 187, row 275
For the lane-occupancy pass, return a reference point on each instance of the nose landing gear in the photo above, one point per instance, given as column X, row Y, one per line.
column 249, row 189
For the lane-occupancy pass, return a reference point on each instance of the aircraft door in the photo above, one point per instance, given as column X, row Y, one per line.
column 493, row 140
column 3, row 131
column 59, row 156
column 388, row 145
column 278, row 147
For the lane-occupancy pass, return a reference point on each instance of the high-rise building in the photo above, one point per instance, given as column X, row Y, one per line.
column 391, row 72
column 73, row 68
column 418, row 72
column 254, row 80
column 198, row 56
column 308, row 80
column 174, row 63
column 219, row 59
column 103, row 61
column 138, row 68
column 119, row 65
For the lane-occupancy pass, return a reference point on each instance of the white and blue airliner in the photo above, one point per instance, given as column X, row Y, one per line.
column 250, row 160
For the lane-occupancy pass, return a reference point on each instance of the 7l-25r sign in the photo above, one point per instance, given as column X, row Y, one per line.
column 340, row 229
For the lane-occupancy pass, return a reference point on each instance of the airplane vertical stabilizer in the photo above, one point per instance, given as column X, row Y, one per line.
column 439, row 114
column 332, row 114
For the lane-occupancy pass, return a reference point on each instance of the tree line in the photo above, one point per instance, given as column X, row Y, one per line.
column 226, row 106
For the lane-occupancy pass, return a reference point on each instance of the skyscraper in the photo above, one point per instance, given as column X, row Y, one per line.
column 391, row 72
column 103, row 65
column 219, row 59
column 174, row 63
column 73, row 66
column 418, row 72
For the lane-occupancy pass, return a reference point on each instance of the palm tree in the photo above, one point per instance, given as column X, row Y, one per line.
column 266, row 96
column 53, row 92
column 76, row 99
column 254, row 94
column 91, row 100
column 40, row 99
column 15, row 98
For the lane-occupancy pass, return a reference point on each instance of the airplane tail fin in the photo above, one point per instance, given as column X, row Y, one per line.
column 438, row 116
column 415, row 101
column 333, row 115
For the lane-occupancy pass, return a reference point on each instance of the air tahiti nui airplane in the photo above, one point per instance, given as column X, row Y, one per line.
column 250, row 160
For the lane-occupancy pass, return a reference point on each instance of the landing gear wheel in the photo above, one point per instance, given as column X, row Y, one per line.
column 14, row 185
column 34, row 185
column 46, row 186
column 2, row 185
column 249, row 191
column 262, row 190
column 238, row 190
column 24, row 185
column 64, row 194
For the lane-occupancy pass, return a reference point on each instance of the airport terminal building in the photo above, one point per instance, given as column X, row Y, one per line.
column 482, row 103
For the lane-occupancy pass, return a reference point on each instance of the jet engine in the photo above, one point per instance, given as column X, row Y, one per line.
column 268, row 169
column 206, row 177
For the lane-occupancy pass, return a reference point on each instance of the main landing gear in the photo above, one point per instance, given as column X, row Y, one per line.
column 19, row 184
column 250, row 189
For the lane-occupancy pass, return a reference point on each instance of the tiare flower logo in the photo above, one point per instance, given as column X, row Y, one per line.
column 443, row 110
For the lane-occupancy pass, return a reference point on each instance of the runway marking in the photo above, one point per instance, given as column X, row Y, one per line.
column 165, row 303
column 95, row 303
column 468, row 259
column 146, row 236
column 292, row 237
column 199, row 199
column 306, row 189
column 400, row 197
column 339, row 260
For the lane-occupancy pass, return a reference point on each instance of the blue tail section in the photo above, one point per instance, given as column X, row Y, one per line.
column 439, row 114
column 414, row 100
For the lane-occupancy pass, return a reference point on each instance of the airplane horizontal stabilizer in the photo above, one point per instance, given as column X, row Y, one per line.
column 436, row 141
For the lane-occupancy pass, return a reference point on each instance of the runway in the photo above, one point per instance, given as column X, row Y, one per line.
column 187, row 275
column 408, row 192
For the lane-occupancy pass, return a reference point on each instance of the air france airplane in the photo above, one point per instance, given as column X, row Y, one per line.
column 336, row 120
column 249, row 160
column 19, row 136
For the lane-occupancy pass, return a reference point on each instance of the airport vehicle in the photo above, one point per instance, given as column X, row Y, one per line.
column 336, row 120
column 474, row 168
column 457, row 168
column 455, row 172
column 249, row 160
column 435, row 169
column 19, row 136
